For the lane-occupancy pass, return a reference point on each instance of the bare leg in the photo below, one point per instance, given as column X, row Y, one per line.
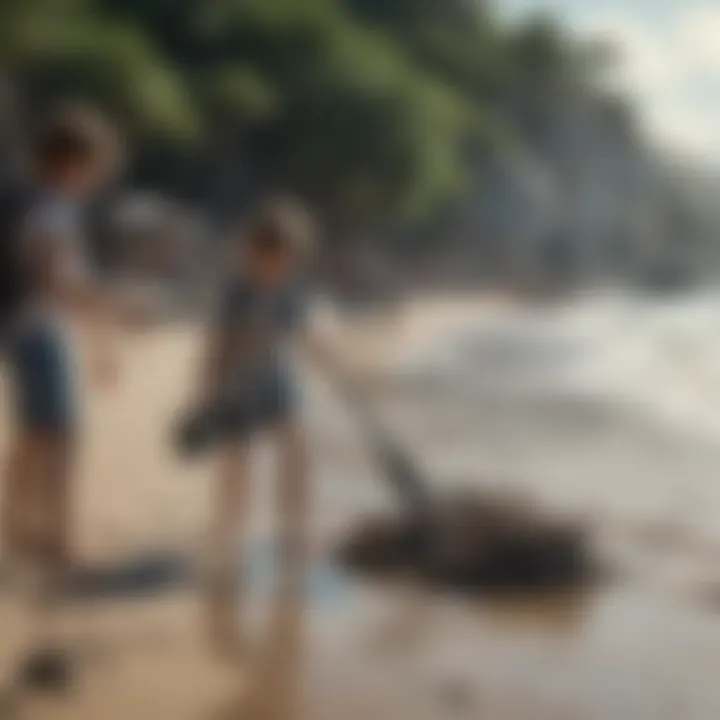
column 55, row 459
column 19, row 507
column 294, row 504
column 59, row 455
column 37, row 527
column 18, row 494
column 229, row 515
column 276, row 691
column 25, row 502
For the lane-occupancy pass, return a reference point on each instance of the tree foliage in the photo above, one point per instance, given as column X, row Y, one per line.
column 371, row 108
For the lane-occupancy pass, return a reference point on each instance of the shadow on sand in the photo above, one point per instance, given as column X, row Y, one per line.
column 162, row 572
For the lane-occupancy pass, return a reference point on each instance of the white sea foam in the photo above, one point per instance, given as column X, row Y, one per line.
column 659, row 355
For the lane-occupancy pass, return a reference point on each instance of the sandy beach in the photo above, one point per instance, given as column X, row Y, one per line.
column 474, row 388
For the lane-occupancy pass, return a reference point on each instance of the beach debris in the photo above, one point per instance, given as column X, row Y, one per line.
column 476, row 542
column 49, row 670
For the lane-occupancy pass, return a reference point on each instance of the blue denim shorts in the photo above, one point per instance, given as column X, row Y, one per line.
column 231, row 419
column 45, row 377
column 272, row 402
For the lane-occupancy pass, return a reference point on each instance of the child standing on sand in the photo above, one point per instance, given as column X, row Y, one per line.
column 247, row 372
column 46, row 289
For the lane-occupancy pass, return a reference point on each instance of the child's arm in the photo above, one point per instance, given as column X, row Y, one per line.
column 62, row 274
column 206, row 381
column 102, row 350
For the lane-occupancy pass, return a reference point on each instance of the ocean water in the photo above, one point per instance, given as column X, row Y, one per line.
column 661, row 354
column 607, row 408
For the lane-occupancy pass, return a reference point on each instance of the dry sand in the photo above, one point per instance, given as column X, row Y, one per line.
column 633, row 652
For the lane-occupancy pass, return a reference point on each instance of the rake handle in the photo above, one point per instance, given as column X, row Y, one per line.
column 399, row 469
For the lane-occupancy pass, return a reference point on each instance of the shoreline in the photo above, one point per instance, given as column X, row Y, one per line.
column 383, row 652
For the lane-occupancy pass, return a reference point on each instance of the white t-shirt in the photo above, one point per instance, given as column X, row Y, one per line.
column 52, row 224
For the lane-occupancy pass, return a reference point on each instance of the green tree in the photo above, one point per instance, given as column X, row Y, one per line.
column 376, row 110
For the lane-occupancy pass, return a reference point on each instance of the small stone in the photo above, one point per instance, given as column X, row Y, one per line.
column 48, row 670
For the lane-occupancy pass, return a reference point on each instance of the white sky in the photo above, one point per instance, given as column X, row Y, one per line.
column 670, row 52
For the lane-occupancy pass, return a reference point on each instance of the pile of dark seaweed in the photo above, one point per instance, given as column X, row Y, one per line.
column 475, row 543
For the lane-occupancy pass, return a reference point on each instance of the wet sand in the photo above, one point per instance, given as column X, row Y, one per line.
column 646, row 647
